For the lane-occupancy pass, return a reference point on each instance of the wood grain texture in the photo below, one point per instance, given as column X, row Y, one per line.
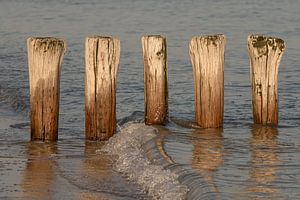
column 155, row 79
column 265, row 54
column 102, row 56
column 45, row 57
column 207, row 57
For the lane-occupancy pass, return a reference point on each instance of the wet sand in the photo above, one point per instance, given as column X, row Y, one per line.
column 51, row 171
column 68, row 169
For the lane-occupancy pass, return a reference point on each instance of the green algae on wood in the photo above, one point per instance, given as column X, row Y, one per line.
column 265, row 55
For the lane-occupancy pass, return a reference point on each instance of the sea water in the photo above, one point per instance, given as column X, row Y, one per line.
column 239, row 161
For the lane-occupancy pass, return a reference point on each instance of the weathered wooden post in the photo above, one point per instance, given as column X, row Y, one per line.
column 45, row 55
column 207, row 57
column 102, row 56
column 155, row 79
column 265, row 54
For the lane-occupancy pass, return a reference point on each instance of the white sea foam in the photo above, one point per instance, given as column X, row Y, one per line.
column 158, row 182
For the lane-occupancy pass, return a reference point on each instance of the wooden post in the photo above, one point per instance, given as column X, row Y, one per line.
column 265, row 54
column 102, row 56
column 155, row 79
column 207, row 57
column 45, row 57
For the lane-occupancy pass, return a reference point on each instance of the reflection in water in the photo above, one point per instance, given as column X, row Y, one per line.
column 40, row 171
column 264, row 162
column 94, row 165
column 159, row 144
column 207, row 153
column 95, row 170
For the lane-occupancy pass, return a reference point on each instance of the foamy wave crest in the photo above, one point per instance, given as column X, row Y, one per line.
column 158, row 182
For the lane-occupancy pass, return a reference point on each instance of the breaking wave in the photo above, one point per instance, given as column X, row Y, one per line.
column 131, row 160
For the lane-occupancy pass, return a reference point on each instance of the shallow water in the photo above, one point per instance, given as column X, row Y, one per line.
column 240, row 161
